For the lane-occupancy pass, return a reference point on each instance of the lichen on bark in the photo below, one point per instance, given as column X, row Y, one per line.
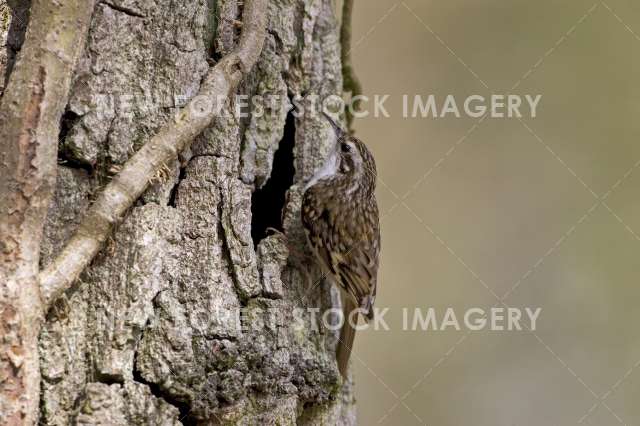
column 181, row 319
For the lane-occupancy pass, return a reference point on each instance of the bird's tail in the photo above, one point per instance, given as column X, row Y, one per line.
column 347, row 334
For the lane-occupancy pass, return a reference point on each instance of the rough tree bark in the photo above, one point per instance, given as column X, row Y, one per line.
column 150, row 333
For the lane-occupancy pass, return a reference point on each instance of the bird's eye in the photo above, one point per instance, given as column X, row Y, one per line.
column 345, row 147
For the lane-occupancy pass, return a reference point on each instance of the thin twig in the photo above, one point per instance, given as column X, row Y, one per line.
column 161, row 150
column 350, row 82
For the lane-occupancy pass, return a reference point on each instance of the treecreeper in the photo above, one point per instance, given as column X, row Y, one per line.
column 341, row 221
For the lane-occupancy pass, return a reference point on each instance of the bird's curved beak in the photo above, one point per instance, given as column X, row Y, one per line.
column 340, row 133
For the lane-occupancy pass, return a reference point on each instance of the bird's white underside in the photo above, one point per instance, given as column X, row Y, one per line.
column 329, row 168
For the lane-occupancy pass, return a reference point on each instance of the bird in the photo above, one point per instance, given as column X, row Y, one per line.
column 340, row 217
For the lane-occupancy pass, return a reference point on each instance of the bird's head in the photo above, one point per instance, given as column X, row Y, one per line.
column 350, row 164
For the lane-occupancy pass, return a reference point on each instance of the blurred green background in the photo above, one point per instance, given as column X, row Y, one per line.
column 548, row 205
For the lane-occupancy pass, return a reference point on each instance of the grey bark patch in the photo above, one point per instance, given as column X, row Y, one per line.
column 137, row 70
column 236, row 222
column 72, row 197
column 272, row 259
column 126, row 285
column 124, row 405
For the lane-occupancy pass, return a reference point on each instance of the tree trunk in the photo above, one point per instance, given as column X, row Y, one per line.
column 193, row 313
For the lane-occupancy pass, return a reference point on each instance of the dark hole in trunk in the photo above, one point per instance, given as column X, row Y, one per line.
column 69, row 119
column 65, row 154
column 267, row 202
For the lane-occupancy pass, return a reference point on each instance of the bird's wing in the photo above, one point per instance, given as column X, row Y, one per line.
column 316, row 230
column 357, row 271
column 348, row 253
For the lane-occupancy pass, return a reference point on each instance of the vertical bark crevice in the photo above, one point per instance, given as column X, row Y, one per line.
column 182, row 174
column 126, row 10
